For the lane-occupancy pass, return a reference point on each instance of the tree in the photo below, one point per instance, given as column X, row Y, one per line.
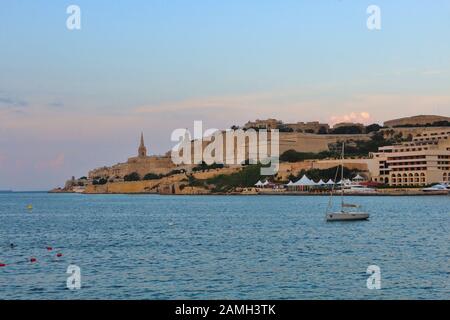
column 326, row 174
column 203, row 166
column 152, row 176
column 322, row 130
column 284, row 128
column 295, row 156
column 99, row 181
column 175, row 171
column 375, row 127
column 247, row 177
column 134, row 176
column 348, row 130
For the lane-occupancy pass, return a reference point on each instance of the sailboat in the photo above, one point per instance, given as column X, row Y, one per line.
column 344, row 214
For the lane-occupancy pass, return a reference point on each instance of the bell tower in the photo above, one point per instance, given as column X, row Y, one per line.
column 142, row 151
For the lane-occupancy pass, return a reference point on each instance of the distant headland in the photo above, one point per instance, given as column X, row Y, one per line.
column 410, row 152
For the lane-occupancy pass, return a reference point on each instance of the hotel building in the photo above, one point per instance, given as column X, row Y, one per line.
column 422, row 161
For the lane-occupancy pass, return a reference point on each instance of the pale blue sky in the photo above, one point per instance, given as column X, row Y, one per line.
column 73, row 100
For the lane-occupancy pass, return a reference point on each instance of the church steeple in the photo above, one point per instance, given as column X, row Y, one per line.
column 142, row 151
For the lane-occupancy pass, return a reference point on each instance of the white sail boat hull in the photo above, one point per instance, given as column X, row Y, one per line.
column 347, row 216
column 344, row 215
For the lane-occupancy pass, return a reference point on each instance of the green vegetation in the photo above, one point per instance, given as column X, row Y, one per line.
column 284, row 128
column 373, row 128
column 326, row 174
column 99, row 181
column 175, row 171
column 203, row 166
column 322, row 130
column 295, row 156
column 434, row 124
column 194, row 182
column 377, row 140
column 134, row 176
column 359, row 148
column 152, row 176
column 348, row 130
column 247, row 177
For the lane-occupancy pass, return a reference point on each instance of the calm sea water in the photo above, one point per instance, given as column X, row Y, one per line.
column 221, row 247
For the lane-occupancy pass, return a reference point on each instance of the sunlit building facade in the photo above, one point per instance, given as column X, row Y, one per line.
column 424, row 160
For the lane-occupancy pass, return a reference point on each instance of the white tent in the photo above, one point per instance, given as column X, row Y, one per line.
column 259, row 184
column 290, row 183
column 304, row 181
column 321, row 183
column 265, row 183
column 330, row 182
column 358, row 178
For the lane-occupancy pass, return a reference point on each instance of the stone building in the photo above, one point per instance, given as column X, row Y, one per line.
column 422, row 161
column 263, row 124
column 309, row 127
column 142, row 164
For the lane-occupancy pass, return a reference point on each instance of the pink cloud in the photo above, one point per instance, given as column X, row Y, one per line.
column 357, row 117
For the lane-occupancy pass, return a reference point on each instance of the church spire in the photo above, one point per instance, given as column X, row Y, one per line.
column 142, row 151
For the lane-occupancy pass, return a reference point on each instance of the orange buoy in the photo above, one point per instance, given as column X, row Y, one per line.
column 59, row 254
column 33, row 259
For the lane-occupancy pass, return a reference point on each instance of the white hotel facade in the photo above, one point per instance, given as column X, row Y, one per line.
column 424, row 160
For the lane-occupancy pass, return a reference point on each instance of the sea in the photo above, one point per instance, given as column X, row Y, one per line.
column 221, row 247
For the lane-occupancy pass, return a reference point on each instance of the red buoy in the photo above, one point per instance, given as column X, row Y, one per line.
column 49, row 248
column 2, row 265
column 59, row 255
column 33, row 260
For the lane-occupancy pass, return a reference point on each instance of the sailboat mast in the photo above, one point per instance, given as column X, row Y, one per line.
column 342, row 176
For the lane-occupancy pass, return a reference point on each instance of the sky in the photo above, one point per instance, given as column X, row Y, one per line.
column 73, row 100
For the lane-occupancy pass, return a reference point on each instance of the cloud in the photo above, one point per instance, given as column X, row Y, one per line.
column 7, row 101
column 330, row 106
column 358, row 117
column 56, row 104
column 434, row 72
column 107, row 128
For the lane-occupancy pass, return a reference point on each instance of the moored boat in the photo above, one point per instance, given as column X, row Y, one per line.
column 437, row 187
column 345, row 214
